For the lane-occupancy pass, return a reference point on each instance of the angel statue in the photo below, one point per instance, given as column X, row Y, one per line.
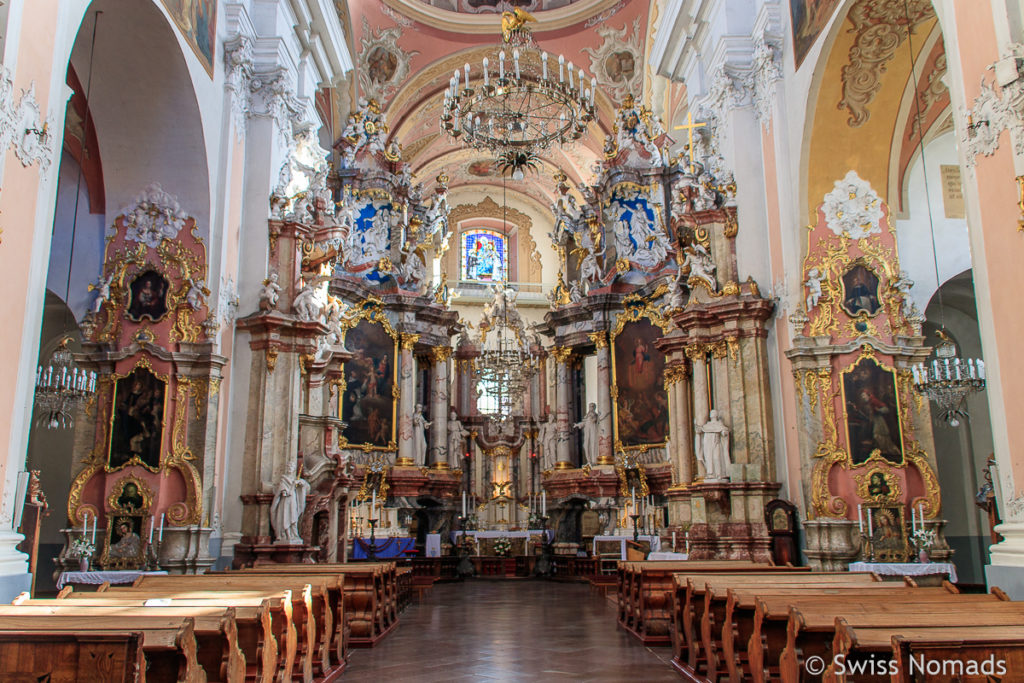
column 813, row 288
column 102, row 289
column 270, row 293
column 305, row 305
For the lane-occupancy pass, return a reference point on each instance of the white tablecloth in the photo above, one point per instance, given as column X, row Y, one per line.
column 655, row 542
column 668, row 556
column 433, row 545
column 502, row 534
column 96, row 578
column 906, row 568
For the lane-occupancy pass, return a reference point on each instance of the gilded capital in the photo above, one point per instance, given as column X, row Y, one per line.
column 409, row 340
column 561, row 353
column 600, row 339
column 440, row 354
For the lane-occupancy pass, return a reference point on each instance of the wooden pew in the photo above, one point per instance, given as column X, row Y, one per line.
column 978, row 644
column 301, row 638
column 73, row 656
column 809, row 627
column 169, row 650
column 215, row 629
column 257, row 637
column 877, row 655
column 645, row 594
column 700, row 609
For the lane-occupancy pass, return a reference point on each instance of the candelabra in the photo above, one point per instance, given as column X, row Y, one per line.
column 948, row 380
column 153, row 556
column 636, row 530
column 371, row 549
column 865, row 543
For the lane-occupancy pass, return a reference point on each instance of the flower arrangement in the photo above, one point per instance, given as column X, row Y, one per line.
column 81, row 548
column 923, row 538
column 535, row 520
column 472, row 523
column 502, row 547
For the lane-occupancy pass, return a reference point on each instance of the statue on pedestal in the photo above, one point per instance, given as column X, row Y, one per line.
column 548, row 439
column 712, row 448
column 419, row 436
column 288, row 506
column 456, row 440
column 700, row 266
column 270, row 293
column 591, row 427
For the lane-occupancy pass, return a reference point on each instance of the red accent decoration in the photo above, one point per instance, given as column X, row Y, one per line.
column 92, row 167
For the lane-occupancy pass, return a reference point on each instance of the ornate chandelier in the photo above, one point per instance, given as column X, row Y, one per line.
column 506, row 363
column 948, row 380
column 520, row 99
column 61, row 387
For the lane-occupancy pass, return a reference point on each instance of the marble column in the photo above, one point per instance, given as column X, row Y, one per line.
column 562, row 355
column 439, row 356
column 698, row 360
column 605, row 445
column 684, row 442
column 407, row 401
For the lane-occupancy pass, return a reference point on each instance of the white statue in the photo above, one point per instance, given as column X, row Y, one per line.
column 413, row 270
column 305, row 305
column 712, row 448
column 575, row 293
column 456, row 440
column 335, row 335
column 591, row 428
column 419, row 436
column 651, row 243
column 270, row 294
column 590, row 272
column 548, row 443
column 288, row 506
column 813, row 288
column 196, row 296
column 903, row 286
column 700, row 266
column 102, row 289
column 675, row 294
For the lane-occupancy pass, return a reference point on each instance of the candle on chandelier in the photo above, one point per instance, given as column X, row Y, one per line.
column 981, row 369
column 515, row 60
column 544, row 65
column 571, row 86
column 561, row 69
column 487, row 75
column 466, row 68
column 970, row 368
column 593, row 90
column 581, row 80
column 501, row 64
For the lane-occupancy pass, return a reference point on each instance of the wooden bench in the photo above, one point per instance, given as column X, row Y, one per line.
column 73, row 656
column 1004, row 645
column 870, row 655
column 261, row 634
column 645, row 594
column 169, row 649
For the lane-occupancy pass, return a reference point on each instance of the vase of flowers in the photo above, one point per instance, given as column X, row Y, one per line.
column 502, row 547
column 83, row 550
column 923, row 539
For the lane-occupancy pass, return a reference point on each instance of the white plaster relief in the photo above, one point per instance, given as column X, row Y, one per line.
column 273, row 95
column 997, row 110
column 239, row 68
column 853, row 208
column 618, row 63
column 22, row 125
column 383, row 65
column 765, row 72
column 155, row 216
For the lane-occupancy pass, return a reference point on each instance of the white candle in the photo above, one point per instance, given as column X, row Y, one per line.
column 920, row 514
column 632, row 498
column 160, row 537
column 463, row 503
column 673, row 541
column 981, row 369
column 501, row 64
column 487, row 76
column 860, row 517
column 869, row 521
column 152, row 523
column 561, row 69
column 373, row 504
column 467, row 74
column 85, row 524
column 913, row 519
column 544, row 65
column 94, row 520
column 544, row 503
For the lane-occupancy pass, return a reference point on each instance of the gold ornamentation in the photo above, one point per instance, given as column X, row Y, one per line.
column 732, row 226
column 878, row 483
column 144, row 492
column 676, row 373
column 733, row 345
column 271, row 359
column 731, row 288
column 409, row 340
column 441, row 354
column 600, row 339
column 76, row 509
column 561, row 353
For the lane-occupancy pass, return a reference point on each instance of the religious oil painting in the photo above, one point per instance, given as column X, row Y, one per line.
column 484, row 256
column 872, row 412
column 889, row 542
column 809, row 19
column 860, row 291
column 368, row 404
column 148, row 294
column 125, row 548
column 137, row 429
column 197, row 21
column 642, row 404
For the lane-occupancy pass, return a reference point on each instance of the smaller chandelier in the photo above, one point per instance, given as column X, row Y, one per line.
column 948, row 380
column 517, row 99
column 61, row 387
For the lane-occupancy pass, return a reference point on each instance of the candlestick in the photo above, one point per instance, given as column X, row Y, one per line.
column 870, row 525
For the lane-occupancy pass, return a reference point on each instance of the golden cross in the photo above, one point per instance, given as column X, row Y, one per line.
column 690, row 125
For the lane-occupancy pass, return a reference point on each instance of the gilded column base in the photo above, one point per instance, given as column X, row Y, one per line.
column 563, row 465
column 404, row 462
column 441, row 466
column 606, row 460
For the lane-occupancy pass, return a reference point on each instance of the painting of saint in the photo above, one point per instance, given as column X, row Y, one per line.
column 809, row 18
column 620, row 66
column 131, row 499
column 888, row 536
column 368, row 405
column 860, row 291
column 484, row 256
column 197, row 21
column 148, row 297
column 642, row 405
column 125, row 549
column 872, row 412
column 138, row 425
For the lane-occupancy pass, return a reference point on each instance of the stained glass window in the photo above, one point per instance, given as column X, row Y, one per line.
column 484, row 256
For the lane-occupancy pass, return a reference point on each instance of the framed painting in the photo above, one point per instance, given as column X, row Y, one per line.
column 137, row 423
column 130, row 495
column 124, row 547
column 860, row 291
column 641, row 405
column 147, row 297
column 197, row 21
column 871, row 399
column 809, row 19
column 888, row 532
column 368, row 402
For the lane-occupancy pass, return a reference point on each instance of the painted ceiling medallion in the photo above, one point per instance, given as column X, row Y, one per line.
column 383, row 65
column 618, row 62
column 853, row 208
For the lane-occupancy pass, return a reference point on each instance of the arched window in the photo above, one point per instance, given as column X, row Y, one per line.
column 484, row 256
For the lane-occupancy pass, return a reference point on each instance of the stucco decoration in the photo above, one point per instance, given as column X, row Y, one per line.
column 383, row 65
column 302, row 180
column 880, row 27
column 618, row 63
column 997, row 110
column 853, row 208
column 22, row 125
column 765, row 72
column 931, row 90
column 238, row 73
column 154, row 217
column 273, row 95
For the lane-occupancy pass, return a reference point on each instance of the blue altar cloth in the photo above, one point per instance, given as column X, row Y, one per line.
column 386, row 547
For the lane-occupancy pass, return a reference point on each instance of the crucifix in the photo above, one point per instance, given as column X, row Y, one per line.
column 689, row 126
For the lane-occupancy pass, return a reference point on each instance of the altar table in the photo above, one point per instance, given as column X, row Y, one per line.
column 386, row 547
column 655, row 542
column 100, row 577
column 906, row 568
column 502, row 534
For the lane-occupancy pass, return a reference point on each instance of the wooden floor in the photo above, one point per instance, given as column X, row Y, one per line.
column 483, row 630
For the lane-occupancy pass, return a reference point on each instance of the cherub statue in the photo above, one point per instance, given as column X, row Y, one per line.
column 675, row 294
column 305, row 305
column 813, row 288
column 700, row 266
column 575, row 293
column 102, row 289
column 903, row 286
column 197, row 293
column 270, row 294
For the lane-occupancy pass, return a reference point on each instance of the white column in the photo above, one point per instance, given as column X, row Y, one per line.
column 407, row 401
column 562, row 406
column 605, row 445
column 439, row 407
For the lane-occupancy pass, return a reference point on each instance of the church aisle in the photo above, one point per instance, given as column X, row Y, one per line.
column 510, row 631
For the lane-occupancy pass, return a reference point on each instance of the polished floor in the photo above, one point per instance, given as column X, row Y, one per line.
column 490, row 630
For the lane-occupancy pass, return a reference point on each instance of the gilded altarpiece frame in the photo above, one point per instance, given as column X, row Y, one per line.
column 367, row 321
